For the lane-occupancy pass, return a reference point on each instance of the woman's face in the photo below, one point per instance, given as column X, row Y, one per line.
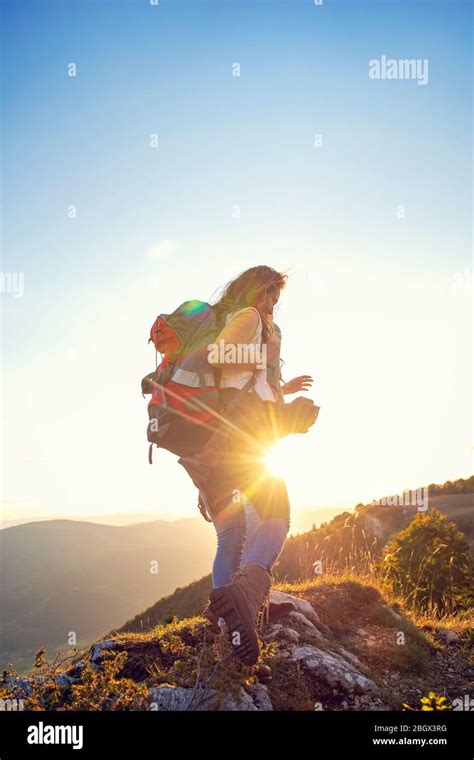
column 268, row 301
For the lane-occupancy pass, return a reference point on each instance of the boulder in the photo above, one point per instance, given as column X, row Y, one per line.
column 299, row 619
column 450, row 637
column 332, row 669
column 281, row 601
column 19, row 685
column 98, row 648
column 259, row 694
column 168, row 698
column 349, row 656
column 288, row 636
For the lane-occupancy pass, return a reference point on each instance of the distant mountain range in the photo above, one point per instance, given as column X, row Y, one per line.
column 118, row 518
column 62, row 576
column 301, row 520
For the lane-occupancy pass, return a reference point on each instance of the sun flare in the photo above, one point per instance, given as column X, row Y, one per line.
column 279, row 459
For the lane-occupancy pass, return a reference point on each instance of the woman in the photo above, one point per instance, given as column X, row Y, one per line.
column 253, row 406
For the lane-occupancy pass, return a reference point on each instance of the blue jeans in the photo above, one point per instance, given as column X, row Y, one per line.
column 243, row 538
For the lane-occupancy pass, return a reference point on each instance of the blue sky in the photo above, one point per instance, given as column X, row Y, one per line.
column 369, row 292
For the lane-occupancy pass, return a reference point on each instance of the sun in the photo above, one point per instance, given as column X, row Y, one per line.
column 279, row 459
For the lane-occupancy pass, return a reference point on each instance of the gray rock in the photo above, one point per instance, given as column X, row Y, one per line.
column 20, row 684
column 333, row 669
column 299, row 605
column 64, row 681
column 349, row 656
column 259, row 694
column 394, row 615
column 98, row 648
column 450, row 637
column 271, row 631
column 288, row 635
column 302, row 620
column 167, row 698
column 280, row 605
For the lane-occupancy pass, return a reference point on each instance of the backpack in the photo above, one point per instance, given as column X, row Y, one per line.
column 184, row 407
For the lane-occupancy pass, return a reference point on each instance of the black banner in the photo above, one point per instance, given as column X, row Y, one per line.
column 119, row 734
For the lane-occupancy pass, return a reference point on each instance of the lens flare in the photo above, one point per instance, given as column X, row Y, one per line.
column 278, row 459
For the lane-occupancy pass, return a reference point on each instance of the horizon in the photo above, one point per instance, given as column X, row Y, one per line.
column 129, row 518
column 305, row 515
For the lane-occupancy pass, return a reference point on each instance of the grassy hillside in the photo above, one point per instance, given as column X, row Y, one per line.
column 183, row 602
column 349, row 647
column 345, row 544
column 355, row 540
column 458, row 507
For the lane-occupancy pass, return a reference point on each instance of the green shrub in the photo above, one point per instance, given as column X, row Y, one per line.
column 428, row 564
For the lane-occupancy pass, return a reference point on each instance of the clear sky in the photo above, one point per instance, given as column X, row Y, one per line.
column 372, row 219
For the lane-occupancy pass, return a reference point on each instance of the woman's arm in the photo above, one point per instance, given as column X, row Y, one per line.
column 239, row 331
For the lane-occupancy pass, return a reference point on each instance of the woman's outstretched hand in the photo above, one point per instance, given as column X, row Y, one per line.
column 301, row 383
column 296, row 417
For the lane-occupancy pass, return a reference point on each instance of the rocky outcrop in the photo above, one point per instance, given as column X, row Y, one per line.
column 168, row 698
column 283, row 604
column 341, row 655
column 333, row 669
column 301, row 638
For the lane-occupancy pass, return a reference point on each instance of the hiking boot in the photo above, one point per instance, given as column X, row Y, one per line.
column 239, row 603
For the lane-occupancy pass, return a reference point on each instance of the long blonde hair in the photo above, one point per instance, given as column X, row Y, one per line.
column 249, row 289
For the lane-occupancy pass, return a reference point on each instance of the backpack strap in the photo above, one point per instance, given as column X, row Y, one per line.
column 202, row 507
column 242, row 391
column 240, row 395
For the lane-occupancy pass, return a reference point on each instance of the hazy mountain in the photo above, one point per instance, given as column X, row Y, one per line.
column 301, row 520
column 60, row 576
column 118, row 518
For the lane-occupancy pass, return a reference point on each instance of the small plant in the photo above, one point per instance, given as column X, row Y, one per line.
column 41, row 692
column 432, row 702
column 100, row 689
